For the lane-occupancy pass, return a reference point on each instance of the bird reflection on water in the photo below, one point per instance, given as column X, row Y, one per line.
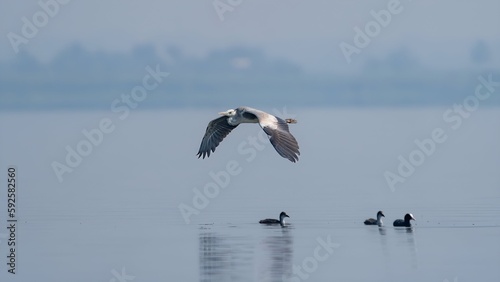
column 224, row 257
column 277, row 250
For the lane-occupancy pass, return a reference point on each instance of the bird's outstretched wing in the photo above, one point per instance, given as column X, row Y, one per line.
column 283, row 141
column 216, row 131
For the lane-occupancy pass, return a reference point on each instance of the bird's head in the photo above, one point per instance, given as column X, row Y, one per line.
column 283, row 215
column 409, row 217
column 228, row 113
column 380, row 214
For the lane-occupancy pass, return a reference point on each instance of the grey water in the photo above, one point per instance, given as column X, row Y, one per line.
column 137, row 204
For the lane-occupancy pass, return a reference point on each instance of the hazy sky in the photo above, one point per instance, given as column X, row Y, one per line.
column 438, row 33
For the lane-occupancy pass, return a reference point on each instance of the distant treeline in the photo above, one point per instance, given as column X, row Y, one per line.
column 77, row 78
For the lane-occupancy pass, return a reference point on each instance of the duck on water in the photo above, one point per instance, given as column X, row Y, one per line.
column 378, row 221
column 405, row 222
column 281, row 221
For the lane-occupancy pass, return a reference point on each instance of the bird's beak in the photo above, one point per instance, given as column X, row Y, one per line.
column 287, row 216
column 383, row 215
column 226, row 113
column 413, row 218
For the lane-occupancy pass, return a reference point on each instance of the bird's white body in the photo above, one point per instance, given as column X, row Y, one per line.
column 262, row 117
column 282, row 219
column 379, row 219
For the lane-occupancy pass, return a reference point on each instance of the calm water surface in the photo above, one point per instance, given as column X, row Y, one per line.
column 116, row 215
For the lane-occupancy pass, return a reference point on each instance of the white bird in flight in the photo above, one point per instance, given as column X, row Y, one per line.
column 275, row 127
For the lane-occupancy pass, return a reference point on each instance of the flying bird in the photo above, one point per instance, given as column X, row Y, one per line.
column 275, row 127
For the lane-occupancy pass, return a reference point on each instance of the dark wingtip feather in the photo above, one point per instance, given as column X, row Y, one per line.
column 216, row 131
